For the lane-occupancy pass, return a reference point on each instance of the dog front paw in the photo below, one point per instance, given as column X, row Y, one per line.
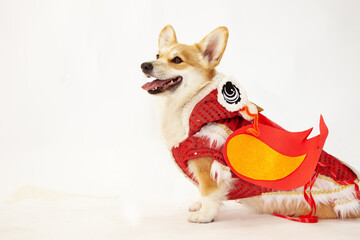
column 195, row 206
column 201, row 217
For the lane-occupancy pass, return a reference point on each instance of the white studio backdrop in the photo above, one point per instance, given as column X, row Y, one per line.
column 74, row 119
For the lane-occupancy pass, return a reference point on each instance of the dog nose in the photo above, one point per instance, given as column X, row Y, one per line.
column 146, row 67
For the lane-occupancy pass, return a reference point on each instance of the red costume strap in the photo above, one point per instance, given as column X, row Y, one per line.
column 301, row 219
column 308, row 218
column 255, row 130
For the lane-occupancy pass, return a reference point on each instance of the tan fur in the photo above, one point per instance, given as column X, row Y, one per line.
column 353, row 215
column 167, row 36
column 218, row 31
column 191, row 57
column 196, row 71
column 207, row 185
column 289, row 208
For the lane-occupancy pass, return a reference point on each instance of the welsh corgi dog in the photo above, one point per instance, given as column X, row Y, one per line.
column 183, row 76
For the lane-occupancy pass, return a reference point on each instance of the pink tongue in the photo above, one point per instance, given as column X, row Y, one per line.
column 151, row 85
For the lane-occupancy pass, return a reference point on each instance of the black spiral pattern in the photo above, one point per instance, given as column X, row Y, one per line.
column 231, row 93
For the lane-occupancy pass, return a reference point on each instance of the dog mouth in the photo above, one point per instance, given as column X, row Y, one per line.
column 159, row 86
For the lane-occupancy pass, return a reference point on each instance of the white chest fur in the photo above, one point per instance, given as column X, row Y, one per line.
column 176, row 113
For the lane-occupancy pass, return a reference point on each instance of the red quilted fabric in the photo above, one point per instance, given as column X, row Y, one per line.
column 341, row 171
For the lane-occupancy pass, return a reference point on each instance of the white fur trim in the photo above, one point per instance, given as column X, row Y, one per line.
column 218, row 80
column 325, row 190
column 347, row 207
column 220, row 172
column 214, row 133
column 235, row 106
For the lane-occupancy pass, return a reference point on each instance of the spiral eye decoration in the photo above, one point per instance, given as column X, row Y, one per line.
column 231, row 93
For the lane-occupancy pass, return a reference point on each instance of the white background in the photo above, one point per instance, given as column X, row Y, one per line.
column 73, row 117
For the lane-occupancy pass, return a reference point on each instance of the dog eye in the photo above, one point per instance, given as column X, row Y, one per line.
column 177, row 60
column 157, row 56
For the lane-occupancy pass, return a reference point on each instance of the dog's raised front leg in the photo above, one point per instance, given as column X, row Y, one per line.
column 212, row 193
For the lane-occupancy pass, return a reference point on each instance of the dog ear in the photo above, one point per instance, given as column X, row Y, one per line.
column 167, row 36
column 214, row 44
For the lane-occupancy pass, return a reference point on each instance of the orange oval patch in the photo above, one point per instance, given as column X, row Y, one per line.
column 254, row 159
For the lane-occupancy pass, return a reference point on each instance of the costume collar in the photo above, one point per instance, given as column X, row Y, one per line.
column 189, row 106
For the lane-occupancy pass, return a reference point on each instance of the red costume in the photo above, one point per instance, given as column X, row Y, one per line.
column 210, row 110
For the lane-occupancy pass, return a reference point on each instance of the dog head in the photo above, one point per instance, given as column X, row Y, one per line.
column 181, row 68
